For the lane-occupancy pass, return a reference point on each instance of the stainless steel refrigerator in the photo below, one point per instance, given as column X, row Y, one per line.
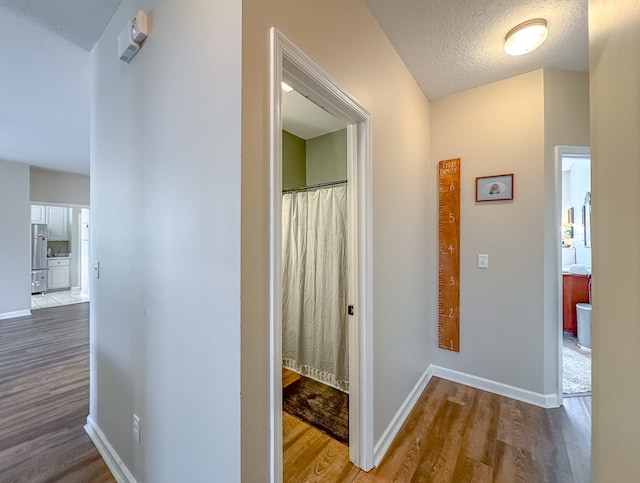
column 39, row 237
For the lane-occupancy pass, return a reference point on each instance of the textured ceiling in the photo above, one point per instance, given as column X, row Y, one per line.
column 79, row 21
column 45, row 81
column 454, row 45
column 448, row 45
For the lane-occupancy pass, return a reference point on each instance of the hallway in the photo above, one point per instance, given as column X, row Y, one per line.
column 44, row 382
column 458, row 433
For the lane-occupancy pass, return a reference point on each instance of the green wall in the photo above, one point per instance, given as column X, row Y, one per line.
column 314, row 161
column 327, row 158
column 293, row 161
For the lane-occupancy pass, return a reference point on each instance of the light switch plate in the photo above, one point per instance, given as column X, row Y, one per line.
column 483, row 261
column 96, row 268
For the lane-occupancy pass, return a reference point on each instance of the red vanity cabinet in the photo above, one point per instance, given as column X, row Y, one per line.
column 575, row 289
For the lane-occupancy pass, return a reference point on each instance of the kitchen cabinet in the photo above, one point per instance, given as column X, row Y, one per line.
column 56, row 217
column 59, row 273
column 58, row 221
column 575, row 289
column 38, row 214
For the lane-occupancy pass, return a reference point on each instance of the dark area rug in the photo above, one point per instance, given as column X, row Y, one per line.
column 319, row 405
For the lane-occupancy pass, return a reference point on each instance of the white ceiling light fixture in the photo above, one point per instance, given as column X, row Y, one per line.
column 286, row 87
column 526, row 37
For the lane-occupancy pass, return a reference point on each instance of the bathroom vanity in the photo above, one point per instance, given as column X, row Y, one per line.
column 575, row 289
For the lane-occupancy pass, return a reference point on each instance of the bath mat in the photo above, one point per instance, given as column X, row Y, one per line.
column 320, row 406
column 576, row 368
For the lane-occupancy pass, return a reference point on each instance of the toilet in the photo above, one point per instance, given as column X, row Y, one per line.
column 584, row 325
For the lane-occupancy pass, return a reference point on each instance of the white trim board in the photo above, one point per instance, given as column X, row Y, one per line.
column 537, row 399
column 17, row 313
column 290, row 64
column 117, row 467
column 383, row 444
column 561, row 151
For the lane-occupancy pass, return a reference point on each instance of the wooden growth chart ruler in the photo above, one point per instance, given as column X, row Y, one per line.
column 449, row 254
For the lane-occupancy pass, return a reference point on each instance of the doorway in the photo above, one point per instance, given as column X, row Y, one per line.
column 315, row 291
column 67, row 255
column 290, row 65
column 574, row 213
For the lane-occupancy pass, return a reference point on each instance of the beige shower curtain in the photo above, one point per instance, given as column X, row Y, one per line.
column 314, row 295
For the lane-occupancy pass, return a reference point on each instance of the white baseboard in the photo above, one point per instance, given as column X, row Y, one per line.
column 119, row 470
column 537, row 399
column 399, row 418
column 18, row 313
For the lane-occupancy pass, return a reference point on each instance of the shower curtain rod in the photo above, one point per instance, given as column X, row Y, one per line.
column 313, row 186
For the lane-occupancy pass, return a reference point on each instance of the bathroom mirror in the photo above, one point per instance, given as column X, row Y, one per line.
column 586, row 219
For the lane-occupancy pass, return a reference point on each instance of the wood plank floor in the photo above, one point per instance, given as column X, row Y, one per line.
column 457, row 434
column 44, row 398
column 289, row 377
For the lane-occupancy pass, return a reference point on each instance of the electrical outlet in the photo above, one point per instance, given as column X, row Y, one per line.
column 483, row 261
column 136, row 428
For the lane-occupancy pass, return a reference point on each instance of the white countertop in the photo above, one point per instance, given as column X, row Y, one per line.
column 566, row 270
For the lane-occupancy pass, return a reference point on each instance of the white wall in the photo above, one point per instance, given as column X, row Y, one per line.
column 84, row 252
column 352, row 51
column 74, row 245
column 57, row 187
column 614, row 43
column 15, row 241
column 327, row 158
column 165, row 201
column 566, row 122
column 496, row 129
column 579, row 183
column 509, row 312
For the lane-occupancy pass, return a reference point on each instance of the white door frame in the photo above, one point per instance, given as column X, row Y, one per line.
column 289, row 63
column 83, row 254
column 562, row 151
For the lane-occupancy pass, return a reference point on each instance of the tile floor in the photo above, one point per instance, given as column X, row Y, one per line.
column 54, row 299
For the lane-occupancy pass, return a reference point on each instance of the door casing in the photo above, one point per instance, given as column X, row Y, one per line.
column 289, row 63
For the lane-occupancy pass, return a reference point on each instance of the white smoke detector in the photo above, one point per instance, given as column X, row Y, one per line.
column 132, row 36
